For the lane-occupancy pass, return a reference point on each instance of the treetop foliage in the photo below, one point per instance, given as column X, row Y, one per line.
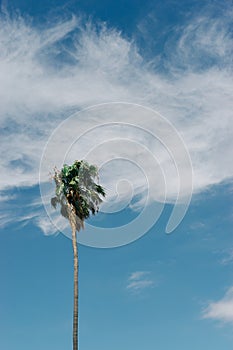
column 77, row 189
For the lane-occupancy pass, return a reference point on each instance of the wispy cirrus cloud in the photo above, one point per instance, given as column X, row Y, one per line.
column 139, row 281
column 228, row 257
column 48, row 73
column 221, row 310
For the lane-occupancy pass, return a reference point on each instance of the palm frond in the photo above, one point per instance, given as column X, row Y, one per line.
column 76, row 188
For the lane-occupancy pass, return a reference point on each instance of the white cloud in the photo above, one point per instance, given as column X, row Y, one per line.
column 221, row 310
column 228, row 258
column 137, row 275
column 139, row 281
column 6, row 198
column 44, row 79
column 45, row 225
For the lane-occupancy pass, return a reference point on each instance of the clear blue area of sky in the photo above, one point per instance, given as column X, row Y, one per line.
column 36, row 294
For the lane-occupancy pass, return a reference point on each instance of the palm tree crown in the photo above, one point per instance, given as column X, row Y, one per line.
column 77, row 191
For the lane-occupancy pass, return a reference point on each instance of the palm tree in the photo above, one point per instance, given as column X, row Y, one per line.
column 78, row 195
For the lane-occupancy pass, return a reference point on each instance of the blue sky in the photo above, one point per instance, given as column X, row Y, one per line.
column 166, row 291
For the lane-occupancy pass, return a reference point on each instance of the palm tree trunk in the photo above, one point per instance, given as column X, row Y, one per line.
column 75, row 314
column 73, row 224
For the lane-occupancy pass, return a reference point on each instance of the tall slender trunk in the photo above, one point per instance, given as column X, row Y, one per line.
column 73, row 224
column 75, row 314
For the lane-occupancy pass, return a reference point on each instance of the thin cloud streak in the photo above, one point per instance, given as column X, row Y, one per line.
column 139, row 281
column 228, row 257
